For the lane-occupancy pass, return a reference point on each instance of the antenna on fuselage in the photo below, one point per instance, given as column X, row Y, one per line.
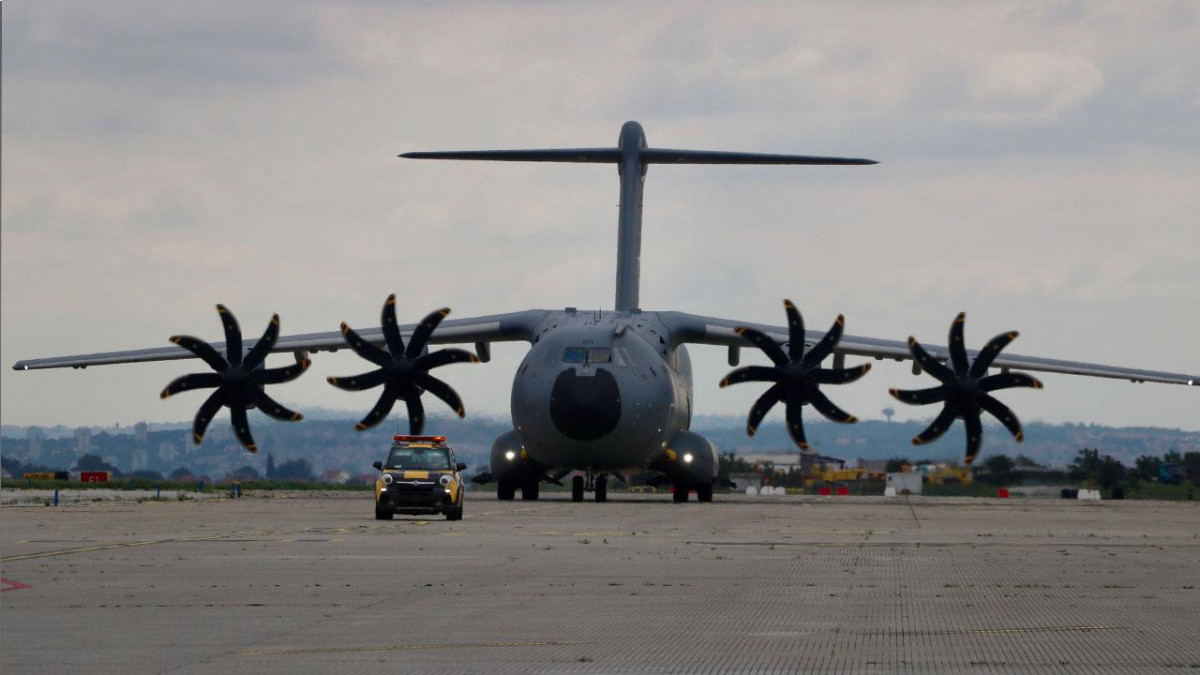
column 632, row 157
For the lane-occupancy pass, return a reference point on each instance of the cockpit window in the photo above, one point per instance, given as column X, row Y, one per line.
column 599, row 355
column 587, row 355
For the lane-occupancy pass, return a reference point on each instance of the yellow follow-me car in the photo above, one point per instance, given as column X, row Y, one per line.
column 419, row 476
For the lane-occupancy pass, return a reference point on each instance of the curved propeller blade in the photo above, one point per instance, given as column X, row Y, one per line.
column 416, row 415
column 1009, row 380
column 750, row 374
column 420, row 336
column 273, row 408
column 765, row 343
column 940, row 425
column 359, row 382
column 825, row 346
column 928, row 363
column 258, row 353
column 974, row 433
column 205, row 414
column 233, row 336
column 840, row 375
column 958, row 350
column 761, row 407
column 827, row 407
column 795, row 423
column 443, row 391
column 444, row 357
column 365, row 349
column 920, row 396
column 241, row 426
column 1004, row 414
column 391, row 330
column 990, row 351
column 203, row 350
column 383, row 406
column 281, row 375
column 190, row 382
column 795, row 331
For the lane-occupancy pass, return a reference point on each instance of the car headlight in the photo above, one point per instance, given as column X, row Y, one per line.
column 387, row 479
column 445, row 480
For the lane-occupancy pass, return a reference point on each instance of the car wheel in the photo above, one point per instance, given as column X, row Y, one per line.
column 383, row 513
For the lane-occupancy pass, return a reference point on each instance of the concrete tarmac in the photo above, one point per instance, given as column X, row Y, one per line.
column 311, row 583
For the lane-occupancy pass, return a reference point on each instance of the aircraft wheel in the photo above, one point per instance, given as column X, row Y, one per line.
column 704, row 493
column 681, row 494
column 601, row 488
column 529, row 492
column 383, row 513
column 505, row 490
column 577, row 489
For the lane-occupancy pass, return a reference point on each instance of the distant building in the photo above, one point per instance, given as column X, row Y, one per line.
column 141, row 432
column 138, row 461
column 83, row 440
column 35, row 436
column 167, row 452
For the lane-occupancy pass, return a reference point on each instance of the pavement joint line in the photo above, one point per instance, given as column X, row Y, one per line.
column 109, row 547
column 943, row 544
column 1006, row 631
column 394, row 648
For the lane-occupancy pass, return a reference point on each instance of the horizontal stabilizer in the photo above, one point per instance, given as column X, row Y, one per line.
column 669, row 156
column 579, row 155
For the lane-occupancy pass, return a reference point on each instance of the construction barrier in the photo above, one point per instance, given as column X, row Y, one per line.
column 1002, row 493
column 38, row 475
column 95, row 476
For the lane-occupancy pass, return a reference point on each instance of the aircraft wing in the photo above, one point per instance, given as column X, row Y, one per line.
column 514, row 326
column 690, row 328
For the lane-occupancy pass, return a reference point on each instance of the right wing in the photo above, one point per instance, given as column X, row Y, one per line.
column 510, row 327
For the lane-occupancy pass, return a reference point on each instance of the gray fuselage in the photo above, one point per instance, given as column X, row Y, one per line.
column 601, row 390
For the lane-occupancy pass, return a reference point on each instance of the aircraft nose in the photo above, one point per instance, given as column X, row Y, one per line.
column 585, row 407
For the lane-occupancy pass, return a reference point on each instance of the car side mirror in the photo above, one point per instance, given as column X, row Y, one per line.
column 378, row 466
column 461, row 466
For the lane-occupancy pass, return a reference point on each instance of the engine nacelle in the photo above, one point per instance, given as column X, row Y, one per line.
column 689, row 459
column 509, row 461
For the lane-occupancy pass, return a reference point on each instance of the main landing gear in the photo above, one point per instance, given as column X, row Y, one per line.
column 704, row 493
column 597, row 483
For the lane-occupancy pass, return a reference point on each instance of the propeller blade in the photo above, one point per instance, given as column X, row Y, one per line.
column 1004, row 414
column 762, row 406
column 280, row 375
column 827, row 408
column 939, row 426
column 795, row 331
column 750, row 374
column 203, row 350
column 359, row 382
column 387, row 398
column 205, row 414
column 241, row 426
column 795, row 423
column 839, row 375
column 444, row 357
column 233, row 336
column 920, row 396
column 420, row 337
column 1009, row 380
column 765, row 343
column 365, row 349
column 271, row 407
column 989, row 353
column 258, row 353
column 391, row 330
column 958, row 349
column 190, row 382
column 416, row 415
column 974, row 433
column 825, row 346
column 930, row 364
column 441, row 390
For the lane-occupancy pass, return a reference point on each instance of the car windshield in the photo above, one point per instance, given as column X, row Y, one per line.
column 420, row 459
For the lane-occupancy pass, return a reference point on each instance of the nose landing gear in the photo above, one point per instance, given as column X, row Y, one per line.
column 593, row 482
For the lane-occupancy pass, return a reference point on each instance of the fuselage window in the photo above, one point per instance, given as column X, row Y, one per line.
column 587, row 355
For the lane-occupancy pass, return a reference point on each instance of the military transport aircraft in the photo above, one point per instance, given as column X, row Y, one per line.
column 602, row 392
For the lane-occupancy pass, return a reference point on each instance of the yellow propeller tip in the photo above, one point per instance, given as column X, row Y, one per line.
column 197, row 439
column 917, row 441
column 461, row 412
column 962, row 316
column 297, row 417
column 360, row 427
column 803, row 446
column 391, row 299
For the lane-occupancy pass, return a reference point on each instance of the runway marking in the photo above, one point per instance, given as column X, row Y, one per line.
column 396, row 648
column 10, row 585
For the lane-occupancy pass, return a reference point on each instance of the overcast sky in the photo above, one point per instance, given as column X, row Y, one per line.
column 1039, row 170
